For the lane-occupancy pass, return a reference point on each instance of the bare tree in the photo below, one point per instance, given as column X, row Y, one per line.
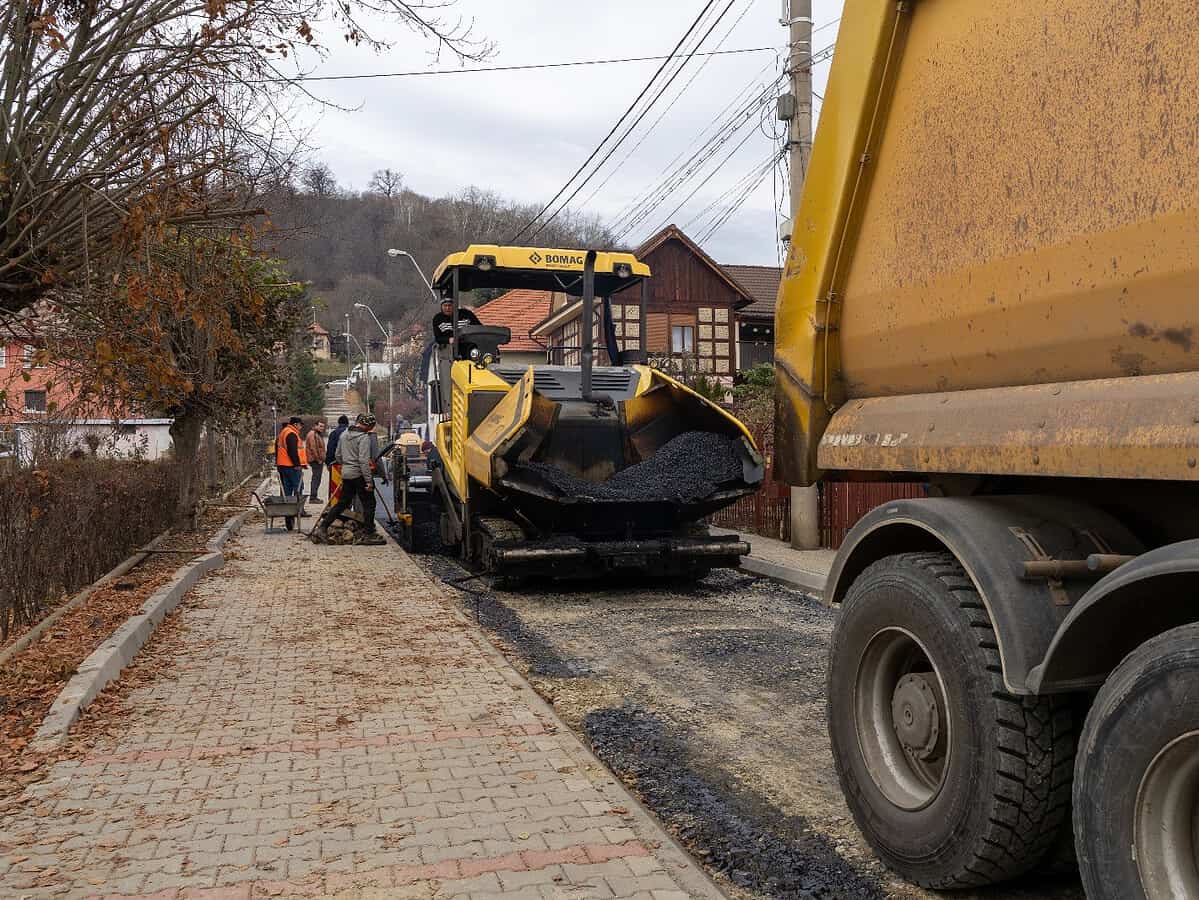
column 92, row 95
column 387, row 182
column 319, row 180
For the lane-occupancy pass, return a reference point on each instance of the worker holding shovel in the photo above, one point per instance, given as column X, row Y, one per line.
column 357, row 481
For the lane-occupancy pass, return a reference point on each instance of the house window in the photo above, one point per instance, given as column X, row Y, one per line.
column 35, row 401
column 27, row 356
column 682, row 339
column 3, row 355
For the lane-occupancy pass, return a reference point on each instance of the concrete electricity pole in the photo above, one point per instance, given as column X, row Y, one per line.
column 799, row 68
column 805, row 501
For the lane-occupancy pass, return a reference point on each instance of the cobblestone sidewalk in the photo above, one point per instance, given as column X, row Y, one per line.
column 333, row 727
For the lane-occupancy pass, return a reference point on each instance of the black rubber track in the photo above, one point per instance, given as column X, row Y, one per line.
column 1035, row 737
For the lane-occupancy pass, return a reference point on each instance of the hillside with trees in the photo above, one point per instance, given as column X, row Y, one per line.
column 337, row 241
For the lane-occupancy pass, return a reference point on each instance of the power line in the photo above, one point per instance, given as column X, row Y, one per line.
column 669, row 106
column 594, row 153
column 644, row 113
column 674, row 178
column 514, row 68
column 693, row 165
column 699, row 139
column 714, row 210
column 707, row 235
column 683, row 173
column 680, row 170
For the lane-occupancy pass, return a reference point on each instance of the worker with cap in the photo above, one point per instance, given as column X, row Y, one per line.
column 443, row 324
column 357, row 481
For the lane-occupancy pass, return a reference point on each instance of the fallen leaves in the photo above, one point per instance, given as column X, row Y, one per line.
column 33, row 679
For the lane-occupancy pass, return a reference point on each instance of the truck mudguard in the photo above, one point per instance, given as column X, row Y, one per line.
column 1140, row 600
column 992, row 537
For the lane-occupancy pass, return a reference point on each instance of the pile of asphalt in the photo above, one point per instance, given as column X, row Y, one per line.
column 722, row 824
column 687, row 468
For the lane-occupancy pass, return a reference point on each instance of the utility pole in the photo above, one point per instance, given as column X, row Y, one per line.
column 799, row 68
column 805, row 501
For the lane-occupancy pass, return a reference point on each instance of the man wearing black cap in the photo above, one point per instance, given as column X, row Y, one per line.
column 443, row 322
column 354, row 454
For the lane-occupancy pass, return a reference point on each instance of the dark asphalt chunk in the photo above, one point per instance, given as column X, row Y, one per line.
column 690, row 466
column 788, row 662
column 739, row 835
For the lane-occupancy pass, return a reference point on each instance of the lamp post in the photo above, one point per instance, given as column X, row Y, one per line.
column 387, row 349
column 396, row 254
column 367, row 360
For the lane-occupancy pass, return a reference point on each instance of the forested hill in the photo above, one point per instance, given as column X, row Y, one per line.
column 338, row 240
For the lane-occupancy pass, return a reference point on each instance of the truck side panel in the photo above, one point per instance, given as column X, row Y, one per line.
column 1031, row 213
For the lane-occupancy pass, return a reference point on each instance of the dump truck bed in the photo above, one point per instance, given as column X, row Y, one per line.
column 981, row 213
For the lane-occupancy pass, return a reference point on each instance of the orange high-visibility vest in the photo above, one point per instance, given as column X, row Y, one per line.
column 282, row 458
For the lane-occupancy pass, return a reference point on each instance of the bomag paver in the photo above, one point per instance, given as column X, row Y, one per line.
column 574, row 471
column 992, row 287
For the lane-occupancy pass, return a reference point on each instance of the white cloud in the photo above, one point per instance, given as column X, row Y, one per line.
column 521, row 134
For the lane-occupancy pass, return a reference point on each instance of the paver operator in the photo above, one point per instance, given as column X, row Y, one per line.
column 357, row 481
column 443, row 322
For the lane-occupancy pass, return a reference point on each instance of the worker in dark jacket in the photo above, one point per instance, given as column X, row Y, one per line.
column 354, row 454
column 443, row 322
column 343, row 422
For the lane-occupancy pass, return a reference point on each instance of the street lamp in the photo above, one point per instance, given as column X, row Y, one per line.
column 387, row 351
column 396, row 254
column 365, row 358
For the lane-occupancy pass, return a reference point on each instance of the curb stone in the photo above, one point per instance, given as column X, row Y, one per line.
column 685, row 867
column 106, row 662
column 811, row 583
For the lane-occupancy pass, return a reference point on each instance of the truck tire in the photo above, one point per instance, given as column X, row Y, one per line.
column 1136, row 785
column 954, row 782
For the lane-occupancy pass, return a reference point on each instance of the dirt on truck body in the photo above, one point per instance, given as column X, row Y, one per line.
column 991, row 287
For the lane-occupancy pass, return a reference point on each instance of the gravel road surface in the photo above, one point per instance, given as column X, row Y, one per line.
column 708, row 701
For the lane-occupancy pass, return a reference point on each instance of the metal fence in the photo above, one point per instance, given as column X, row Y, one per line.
column 843, row 503
column 766, row 512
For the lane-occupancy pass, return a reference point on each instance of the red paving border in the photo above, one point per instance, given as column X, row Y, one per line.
column 315, row 745
column 396, row 876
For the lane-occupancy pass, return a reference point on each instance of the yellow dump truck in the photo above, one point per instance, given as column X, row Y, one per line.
column 572, row 471
column 993, row 286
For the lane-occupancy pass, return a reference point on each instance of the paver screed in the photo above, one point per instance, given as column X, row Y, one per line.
column 330, row 725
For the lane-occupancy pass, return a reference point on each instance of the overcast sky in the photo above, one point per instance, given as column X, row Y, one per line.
column 521, row 134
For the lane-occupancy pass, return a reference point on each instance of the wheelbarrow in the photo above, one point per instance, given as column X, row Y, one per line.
column 274, row 506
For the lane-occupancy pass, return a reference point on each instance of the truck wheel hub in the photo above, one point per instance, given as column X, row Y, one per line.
column 915, row 715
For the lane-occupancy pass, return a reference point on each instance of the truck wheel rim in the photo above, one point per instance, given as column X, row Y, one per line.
column 1167, row 821
column 900, row 717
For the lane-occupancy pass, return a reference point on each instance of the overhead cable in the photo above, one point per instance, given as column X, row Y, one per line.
column 637, row 121
column 599, row 147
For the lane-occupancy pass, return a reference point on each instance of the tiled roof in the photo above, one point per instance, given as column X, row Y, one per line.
column 762, row 284
column 520, row 310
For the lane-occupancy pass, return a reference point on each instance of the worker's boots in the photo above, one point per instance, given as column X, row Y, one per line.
column 370, row 538
column 319, row 534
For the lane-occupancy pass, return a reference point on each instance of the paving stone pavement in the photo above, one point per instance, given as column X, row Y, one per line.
column 334, row 727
